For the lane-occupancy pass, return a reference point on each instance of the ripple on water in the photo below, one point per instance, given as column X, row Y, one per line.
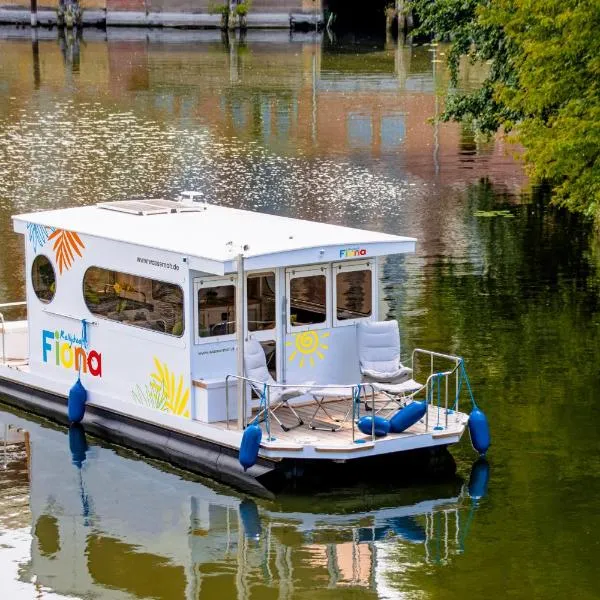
column 87, row 153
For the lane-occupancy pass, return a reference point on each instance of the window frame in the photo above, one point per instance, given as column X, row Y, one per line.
column 165, row 334
column 43, row 302
column 307, row 271
column 211, row 282
column 348, row 267
column 263, row 335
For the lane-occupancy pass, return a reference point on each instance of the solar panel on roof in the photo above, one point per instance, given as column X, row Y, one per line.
column 153, row 206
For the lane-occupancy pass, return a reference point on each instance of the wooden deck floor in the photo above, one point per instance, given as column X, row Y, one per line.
column 342, row 411
column 322, row 438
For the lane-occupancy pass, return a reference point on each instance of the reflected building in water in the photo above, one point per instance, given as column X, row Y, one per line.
column 301, row 125
column 14, row 477
column 106, row 524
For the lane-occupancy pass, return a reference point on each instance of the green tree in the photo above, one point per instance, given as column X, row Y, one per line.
column 543, row 83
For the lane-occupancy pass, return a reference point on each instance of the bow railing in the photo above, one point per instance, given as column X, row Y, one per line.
column 9, row 305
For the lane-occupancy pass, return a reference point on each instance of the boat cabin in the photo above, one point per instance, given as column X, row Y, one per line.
column 147, row 300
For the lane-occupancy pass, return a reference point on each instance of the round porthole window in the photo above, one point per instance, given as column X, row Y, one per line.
column 43, row 279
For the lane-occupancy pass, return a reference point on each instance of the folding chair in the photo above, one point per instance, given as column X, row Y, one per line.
column 255, row 365
column 379, row 358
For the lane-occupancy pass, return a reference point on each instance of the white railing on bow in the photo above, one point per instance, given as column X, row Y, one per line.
column 441, row 378
column 9, row 305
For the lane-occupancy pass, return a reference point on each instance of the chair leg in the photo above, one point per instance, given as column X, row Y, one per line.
column 391, row 398
column 399, row 400
column 321, row 406
column 296, row 415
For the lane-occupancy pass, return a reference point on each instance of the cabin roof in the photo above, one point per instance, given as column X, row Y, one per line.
column 212, row 237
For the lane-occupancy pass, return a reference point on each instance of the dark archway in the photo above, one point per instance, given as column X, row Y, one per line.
column 357, row 15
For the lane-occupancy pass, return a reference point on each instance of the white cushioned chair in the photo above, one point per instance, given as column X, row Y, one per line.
column 379, row 358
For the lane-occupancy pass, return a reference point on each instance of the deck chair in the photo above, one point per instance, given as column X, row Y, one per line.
column 379, row 358
column 255, row 365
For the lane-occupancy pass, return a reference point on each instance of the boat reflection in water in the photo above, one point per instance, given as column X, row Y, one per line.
column 106, row 524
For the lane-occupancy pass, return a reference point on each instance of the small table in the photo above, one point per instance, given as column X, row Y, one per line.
column 330, row 392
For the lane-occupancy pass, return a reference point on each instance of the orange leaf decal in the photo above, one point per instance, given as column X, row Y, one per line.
column 66, row 245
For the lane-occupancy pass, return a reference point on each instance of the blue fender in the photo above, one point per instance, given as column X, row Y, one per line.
column 76, row 403
column 407, row 416
column 382, row 426
column 478, row 481
column 250, row 445
column 479, row 431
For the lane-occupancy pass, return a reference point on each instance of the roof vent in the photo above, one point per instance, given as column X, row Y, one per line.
column 188, row 196
column 150, row 207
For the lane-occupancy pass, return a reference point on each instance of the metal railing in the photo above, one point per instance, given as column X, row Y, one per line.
column 435, row 377
column 3, row 324
column 360, row 388
column 360, row 392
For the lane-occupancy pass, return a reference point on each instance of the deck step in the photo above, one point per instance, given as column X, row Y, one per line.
column 351, row 448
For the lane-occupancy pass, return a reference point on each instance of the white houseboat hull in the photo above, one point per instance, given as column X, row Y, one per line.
column 212, row 451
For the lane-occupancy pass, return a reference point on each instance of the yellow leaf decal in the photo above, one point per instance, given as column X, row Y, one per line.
column 171, row 388
column 66, row 245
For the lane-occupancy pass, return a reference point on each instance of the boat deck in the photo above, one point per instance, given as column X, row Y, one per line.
column 341, row 409
column 298, row 442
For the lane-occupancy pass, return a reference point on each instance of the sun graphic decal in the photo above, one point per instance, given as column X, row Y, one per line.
column 306, row 345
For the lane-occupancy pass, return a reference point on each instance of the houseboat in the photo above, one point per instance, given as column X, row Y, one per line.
column 187, row 322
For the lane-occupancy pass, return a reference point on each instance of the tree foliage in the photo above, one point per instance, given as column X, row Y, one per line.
column 543, row 83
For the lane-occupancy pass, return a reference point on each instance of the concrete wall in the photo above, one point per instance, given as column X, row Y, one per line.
column 48, row 5
column 175, row 13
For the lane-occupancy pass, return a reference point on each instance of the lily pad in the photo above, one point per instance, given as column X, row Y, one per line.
column 488, row 214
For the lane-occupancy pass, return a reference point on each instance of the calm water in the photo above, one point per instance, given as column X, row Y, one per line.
column 335, row 131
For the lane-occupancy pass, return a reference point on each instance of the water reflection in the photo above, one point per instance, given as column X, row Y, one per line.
column 479, row 479
column 35, row 56
column 298, row 126
column 303, row 99
column 333, row 130
column 113, row 522
column 69, row 42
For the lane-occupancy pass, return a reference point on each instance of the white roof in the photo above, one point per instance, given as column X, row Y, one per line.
column 212, row 236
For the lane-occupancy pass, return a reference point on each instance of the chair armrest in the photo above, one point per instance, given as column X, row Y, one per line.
column 293, row 390
column 396, row 376
column 342, row 391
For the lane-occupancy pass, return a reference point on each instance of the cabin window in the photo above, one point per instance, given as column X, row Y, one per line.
column 133, row 300
column 43, row 279
column 353, row 292
column 215, row 308
column 307, row 298
column 260, row 291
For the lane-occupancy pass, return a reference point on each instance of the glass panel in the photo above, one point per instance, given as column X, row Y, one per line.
column 261, row 301
column 270, row 349
column 216, row 310
column 134, row 300
column 43, row 279
column 353, row 295
column 308, row 300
